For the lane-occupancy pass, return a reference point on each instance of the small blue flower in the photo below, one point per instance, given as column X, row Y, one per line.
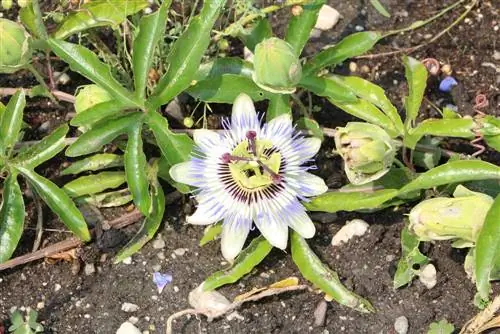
column 252, row 174
column 161, row 280
column 447, row 84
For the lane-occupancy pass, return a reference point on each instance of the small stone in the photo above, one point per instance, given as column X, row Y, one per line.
column 129, row 307
column 40, row 305
column 159, row 243
column 180, row 251
column 176, row 288
column 89, row 269
column 86, row 316
column 359, row 28
column 57, row 287
column 264, row 275
column 389, row 258
column 327, row 18
column 161, row 255
column 156, row 267
column 401, row 325
column 446, row 69
column 365, row 69
column 128, row 328
column 127, row 260
column 428, row 276
column 353, row 67
column 355, row 227
column 133, row 320
column 496, row 55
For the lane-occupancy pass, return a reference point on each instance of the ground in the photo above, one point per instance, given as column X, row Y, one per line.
column 92, row 303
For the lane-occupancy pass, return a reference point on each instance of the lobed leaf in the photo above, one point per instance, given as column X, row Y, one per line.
column 349, row 201
column 299, row 27
column 351, row 46
column 12, row 121
column 102, row 133
column 410, row 257
column 94, row 184
column 244, row 263
column 106, row 200
column 487, row 255
column 175, row 147
column 149, row 226
column 453, row 172
column 99, row 13
column 136, row 168
column 221, row 66
column 457, row 127
column 44, row 150
column 316, row 272
column 86, row 62
column 416, row 75
column 151, row 30
column 94, row 163
column 328, row 88
column 11, row 217
column 96, row 113
column 186, row 54
column 59, row 202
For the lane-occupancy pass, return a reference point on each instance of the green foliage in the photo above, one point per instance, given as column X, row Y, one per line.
column 25, row 326
column 411, row 259
column 441, row 327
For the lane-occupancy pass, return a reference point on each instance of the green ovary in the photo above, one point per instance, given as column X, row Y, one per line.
column 249, row 174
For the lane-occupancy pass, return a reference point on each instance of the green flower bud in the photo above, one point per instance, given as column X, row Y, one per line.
column 188, row 122
column 276, row 66
column 223, row 44
column 15, row 46
column 367, row 150
column 443, row 218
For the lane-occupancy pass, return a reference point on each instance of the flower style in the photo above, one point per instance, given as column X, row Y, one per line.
column 252, row 174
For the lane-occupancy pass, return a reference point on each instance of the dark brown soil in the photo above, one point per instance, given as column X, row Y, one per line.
column 92, row 304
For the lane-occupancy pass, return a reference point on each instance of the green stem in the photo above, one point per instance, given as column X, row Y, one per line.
column 41, row 80
column 421, row 23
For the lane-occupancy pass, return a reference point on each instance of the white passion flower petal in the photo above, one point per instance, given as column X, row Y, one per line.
column 234, row 234
column 244, row 117
column 300, row 222
column 273, row 229
column 208, row 141
column 308, row 148
column 183, row 173
column 311, row 185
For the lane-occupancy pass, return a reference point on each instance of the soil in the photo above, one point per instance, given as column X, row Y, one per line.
column 82, row 303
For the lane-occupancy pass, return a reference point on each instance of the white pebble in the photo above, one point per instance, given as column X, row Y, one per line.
column 89, row 269
column 40, row 305
column 57, row 287
column 128, row 328
column 161, row 255
column 359, row 28
column 129, row 307
column 133, row 320
column 355, row 227
column 212, row 302
column 176, row 288
column 127, row 260
column 428, row 276
column 327, row 18
column 159, row 243
column 180, row 251
column 401, row 325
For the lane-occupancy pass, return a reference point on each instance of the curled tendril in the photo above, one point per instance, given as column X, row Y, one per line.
column 432, row 65
column 481, row 101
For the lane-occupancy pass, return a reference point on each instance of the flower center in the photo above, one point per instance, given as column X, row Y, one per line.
column 253, row 164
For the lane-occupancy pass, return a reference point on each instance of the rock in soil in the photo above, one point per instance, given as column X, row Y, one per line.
column 129, row 307
column 355, row 227
column 128, row 328
column 327, row 18
column 428, row 276
column 401, row 325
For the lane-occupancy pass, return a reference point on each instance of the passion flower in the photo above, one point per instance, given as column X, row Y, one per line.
column 252, row 174
column 15, row 46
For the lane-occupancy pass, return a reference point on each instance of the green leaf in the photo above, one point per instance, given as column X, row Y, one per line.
column 96, row 113
column 59, row 202
column 488, row 249
column 410, row 257
column 99, row 13
column 349, row 201
column 300, row 26
column 107, row 200
column 93, row 184
column 163, row 173
column 175, row 147
column 279, row 104
column 457, row 127
column 225, row 89
column 85, row 62
column 488, row 187
column 441, row 327
column 221, row 66
column 374, row 94
column 256, row 33
column 151, row 30
column 351, row 46
column 44, row 150
column 150, row 225
column 453, row 172
column 136, row 168
column 28, row 18
column 211, row 233
column 493, row 142
column 94, row 163
column 11, row 217
column 186, row 54
column 380, row 8
column 328, row 88
column 102, row 133
column 416, row 75
column 311, row 125
column 11, row 122
column 316, row 272
column 368, row 112
column 244, row 263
